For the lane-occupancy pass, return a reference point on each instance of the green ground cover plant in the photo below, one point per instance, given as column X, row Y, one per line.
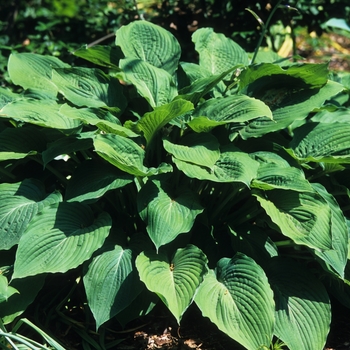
column 222, row 183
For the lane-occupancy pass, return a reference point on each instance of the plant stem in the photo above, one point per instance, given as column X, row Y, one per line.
column 264, row 30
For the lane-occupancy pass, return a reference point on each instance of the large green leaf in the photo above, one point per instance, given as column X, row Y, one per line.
column 153, row 121
column 106, row 56
column 322, row 142
column 231, row 109
column 60, row 238
column 166, row 214
column 34, row 71
column 218, row 53
column 238, row 299
column 176, row 280
column 300, row 75
column 337, row 256
column 232, row 166
column 287, row 104
column 101, row 118
column 92, row 179
column 303, row 312
column 200, row 149
column 150, row 43
column 89, row 87
column 20, row 202
column 154, row 84
column 309, row 219
column 17, row 143
column 203, row 85
column 38, row 112
column 271, row 176
column 125, row 154
column 28, row 289
column 111, row 283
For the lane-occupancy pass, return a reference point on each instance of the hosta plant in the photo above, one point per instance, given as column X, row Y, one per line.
column 222, row 183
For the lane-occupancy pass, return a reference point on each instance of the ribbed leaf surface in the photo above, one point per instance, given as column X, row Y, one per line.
column 303, row 312
column 175, row 281
column 89, row 87
column 238, row 299
column 271, row 176
column 20, row 202
column 288, row 105
column 38, row 112
column 322, row 142
column 231, row 109
column 308, row 219
column 166, row 214
column 232, row 166
column 33, row 71
column 201, row 149
column 150, row 43
column 59, row 239
column 7, row 96
column 111, row 283
column 106, row 56
column 152, row 122
column 154, row 84
column 218, row 53
column 125, row 154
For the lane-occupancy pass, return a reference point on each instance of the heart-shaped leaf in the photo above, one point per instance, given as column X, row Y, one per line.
column 176, row 280
column 166, row 214
column 154, row 84
column 60, row 238
column 111, row 283
column 218, row 53
column 303, row 312
column 238, row 299
column 150, row 43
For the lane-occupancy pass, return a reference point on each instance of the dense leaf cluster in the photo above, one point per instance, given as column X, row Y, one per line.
column 223, row 183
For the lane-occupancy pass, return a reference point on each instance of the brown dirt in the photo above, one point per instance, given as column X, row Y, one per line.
column 330, row 47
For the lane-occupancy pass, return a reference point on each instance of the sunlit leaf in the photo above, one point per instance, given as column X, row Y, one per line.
column 150, row 43
column 303, row 312
column 154, row 84
column 180, row 276
column 166, row 214
column 31, row 70
column 217, row 53
column 238, row 299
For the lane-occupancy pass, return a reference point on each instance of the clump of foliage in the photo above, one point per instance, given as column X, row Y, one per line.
column 223, row 183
